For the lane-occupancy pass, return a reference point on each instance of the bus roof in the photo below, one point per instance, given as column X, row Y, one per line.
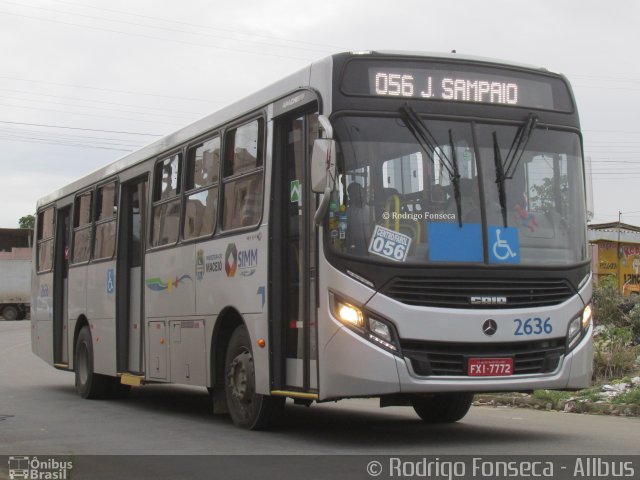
column 299, row 79
column 279, row 89
column 458, row 57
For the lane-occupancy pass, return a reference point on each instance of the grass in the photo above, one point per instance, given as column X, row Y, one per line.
column 556, row 398
column 552, row 396
column 630, row 397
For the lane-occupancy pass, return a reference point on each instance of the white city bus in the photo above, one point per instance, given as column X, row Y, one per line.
column 396, row 225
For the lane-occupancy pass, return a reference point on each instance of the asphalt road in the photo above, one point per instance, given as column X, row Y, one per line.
column 40, row 414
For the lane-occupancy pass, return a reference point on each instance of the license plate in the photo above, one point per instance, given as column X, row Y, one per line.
column 490, row 367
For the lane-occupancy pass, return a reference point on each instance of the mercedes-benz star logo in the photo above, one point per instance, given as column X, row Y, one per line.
column 489, row 327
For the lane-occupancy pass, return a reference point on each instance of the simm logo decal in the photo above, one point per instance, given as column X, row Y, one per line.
column 242, row 262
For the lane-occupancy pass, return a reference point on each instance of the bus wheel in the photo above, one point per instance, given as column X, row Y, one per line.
column 247, row 408
column 442, row 408
column 10, row 313
column 88, row 383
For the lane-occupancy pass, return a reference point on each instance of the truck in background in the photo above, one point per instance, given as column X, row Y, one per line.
column 15, row 272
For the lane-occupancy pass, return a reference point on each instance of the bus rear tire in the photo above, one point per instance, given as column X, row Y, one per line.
column 89, row 384
column 442, row 408
column 10, row 313
column 247, row 408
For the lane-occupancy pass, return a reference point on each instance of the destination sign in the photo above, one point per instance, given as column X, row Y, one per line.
column 421, row 84
column 459, row 82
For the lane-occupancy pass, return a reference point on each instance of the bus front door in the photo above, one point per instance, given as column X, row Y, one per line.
column 129, row 291
column 293, row 257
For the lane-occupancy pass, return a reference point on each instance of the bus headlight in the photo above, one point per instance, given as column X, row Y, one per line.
column 346, row 312
column 373, row 328
column 350, row 314
column 380, row 329
column 586, row 317
column 382, row 334
column 578, row 327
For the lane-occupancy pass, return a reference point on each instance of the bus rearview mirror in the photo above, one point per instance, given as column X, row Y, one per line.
column 323, row 165
column 323, row 173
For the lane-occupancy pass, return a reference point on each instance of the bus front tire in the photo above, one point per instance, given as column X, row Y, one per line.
column 247, row 408
column 89, row 384
column 442, row 408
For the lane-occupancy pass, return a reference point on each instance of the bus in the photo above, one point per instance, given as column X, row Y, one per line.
column 402, row 226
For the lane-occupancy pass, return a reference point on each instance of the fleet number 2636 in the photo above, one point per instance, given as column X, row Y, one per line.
column 532, row 326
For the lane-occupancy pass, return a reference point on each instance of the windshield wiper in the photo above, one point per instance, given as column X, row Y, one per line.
column 505, row 171
column 428, row 143
column 500, row 178
column 455, row 178
column 519, row 145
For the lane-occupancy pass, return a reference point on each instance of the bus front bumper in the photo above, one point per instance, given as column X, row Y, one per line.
column 354, row 367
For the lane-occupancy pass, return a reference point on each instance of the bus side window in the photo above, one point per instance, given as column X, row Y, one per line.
column 201, row 197
column 45, row 240
column 243, row 172
column 104, row 240
column 166, row 201
column 82, row 228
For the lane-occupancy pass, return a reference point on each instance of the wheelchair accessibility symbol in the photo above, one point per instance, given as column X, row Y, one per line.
column 110, row 281
column 504, row 245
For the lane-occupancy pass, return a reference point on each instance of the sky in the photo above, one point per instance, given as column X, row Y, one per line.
column 84, row 83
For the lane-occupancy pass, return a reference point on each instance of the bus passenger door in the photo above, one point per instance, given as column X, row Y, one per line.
column 293, row 257
column 60, row 289
column 129, row 291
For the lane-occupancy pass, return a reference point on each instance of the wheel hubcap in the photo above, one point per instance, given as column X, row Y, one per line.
column 83, row 364
column 240, row 377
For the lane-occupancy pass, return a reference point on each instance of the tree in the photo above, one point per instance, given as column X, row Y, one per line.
column 545, row 196
column 28, row 221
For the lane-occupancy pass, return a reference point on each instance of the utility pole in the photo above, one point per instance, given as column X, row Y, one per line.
column 619, row 253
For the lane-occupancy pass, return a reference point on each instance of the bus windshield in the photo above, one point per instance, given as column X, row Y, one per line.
column 427, row 191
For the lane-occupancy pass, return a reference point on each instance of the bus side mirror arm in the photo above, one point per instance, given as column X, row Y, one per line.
column 325, row 125
column 323, row 173
column 322, row 208
column 323, row 167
